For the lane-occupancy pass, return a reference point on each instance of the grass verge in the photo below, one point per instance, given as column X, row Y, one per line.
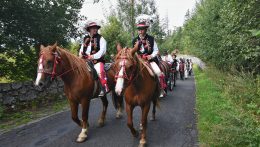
column 228, row 109
column 11, row 120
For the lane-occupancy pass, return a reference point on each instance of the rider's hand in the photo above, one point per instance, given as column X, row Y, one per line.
column 90, row 57
column 149, row 57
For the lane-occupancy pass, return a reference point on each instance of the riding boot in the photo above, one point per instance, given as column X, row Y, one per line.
column 162, row 85
column 162, row 81
column 103, row 80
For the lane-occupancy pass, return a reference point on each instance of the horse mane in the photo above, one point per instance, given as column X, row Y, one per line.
column 76, row 63
column 126, row 52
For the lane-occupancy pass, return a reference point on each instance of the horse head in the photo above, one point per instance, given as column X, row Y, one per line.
column 126, row 67
column 49, row 58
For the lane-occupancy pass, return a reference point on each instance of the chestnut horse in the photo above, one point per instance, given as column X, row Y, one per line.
column 81, row 83
column 165, row 68
column 138, row 86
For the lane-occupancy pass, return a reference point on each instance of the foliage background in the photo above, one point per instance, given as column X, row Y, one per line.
column 225, row 33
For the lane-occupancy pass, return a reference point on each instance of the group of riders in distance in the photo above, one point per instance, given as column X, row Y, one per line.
column 139, row 74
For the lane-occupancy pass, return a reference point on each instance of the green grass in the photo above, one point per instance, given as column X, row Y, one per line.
column 13, row 119
column 224, row 118
column 5, row 80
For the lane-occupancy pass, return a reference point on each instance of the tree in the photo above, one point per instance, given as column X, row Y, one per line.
column 148, row 7
column 114, row 33
column 27, row 24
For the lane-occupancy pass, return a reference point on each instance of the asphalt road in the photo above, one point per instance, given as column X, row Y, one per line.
column 175, row 126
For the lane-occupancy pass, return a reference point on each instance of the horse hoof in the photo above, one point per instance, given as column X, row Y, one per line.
column 141, row 127
column 101, row 123
column 142, row 143
column 152, row 118
column 118, row 116
column 81, row 139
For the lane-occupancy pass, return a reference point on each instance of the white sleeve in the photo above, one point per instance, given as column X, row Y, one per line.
column 170, row 58
column 102, row 50
column 81, row 50
column 155, row 50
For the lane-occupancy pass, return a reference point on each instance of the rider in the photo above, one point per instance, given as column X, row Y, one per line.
column 175, row 63
column 147, row 48
column 94, row 48
column 167, row 57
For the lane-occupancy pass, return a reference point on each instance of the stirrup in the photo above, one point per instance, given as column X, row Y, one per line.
column 102, row 93
column 162, row 94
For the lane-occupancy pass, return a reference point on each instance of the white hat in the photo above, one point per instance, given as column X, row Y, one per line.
column 143, row 21
column 92, row 23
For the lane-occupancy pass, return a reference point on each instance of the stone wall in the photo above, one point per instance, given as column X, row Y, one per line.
column 12, row 94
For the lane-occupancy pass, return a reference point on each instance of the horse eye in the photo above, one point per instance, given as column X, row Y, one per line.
column 49, row 63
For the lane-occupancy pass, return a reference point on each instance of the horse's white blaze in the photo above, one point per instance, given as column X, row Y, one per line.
column 39, row 75
column 119, row 82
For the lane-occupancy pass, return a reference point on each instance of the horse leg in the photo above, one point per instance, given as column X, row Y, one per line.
column 145, row 111
column 103, row 114
column 74, row 112
column 129, row 111
column 154, row 110
column 84, row 132
column 119, row 112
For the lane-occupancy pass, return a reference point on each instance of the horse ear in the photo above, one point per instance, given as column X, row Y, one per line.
column 118, row 47
column 54, row 47
column 135, row 48
column 41, row 47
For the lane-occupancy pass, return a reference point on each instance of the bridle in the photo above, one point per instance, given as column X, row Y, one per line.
column 56, row 61
column 129, row 77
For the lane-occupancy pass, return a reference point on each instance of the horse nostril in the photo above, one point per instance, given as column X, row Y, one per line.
column 41, row 84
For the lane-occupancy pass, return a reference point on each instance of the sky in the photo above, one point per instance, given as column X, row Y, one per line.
column 175, row 9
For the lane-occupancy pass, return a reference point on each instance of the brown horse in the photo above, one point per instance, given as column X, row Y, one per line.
column 138, row 85
column 165, row 68
column 80, row 82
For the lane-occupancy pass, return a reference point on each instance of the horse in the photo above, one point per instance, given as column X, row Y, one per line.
column 139, row 86
column 165, row 68
column 80, row 79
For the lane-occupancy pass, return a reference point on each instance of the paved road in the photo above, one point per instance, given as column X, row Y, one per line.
column 175, row 126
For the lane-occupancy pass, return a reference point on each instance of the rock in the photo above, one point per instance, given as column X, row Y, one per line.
column 5, row 87
column 16, row 85
column 60, row 83
column 14, row 93
column 61, row 89
column 52, row 91
column 8, row 100
column 32, row 96
column 22, row 90
column 23, row 98
column 28, row 83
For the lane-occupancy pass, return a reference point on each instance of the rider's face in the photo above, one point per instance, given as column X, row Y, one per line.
column 93, row 30
column 142, row 31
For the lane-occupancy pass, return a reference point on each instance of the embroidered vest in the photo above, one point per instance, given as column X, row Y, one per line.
column 145, row 44
column 95, row 46
column 95, row 43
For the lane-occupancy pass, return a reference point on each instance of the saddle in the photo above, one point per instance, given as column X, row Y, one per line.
column 148, row 67
column 90, row 66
